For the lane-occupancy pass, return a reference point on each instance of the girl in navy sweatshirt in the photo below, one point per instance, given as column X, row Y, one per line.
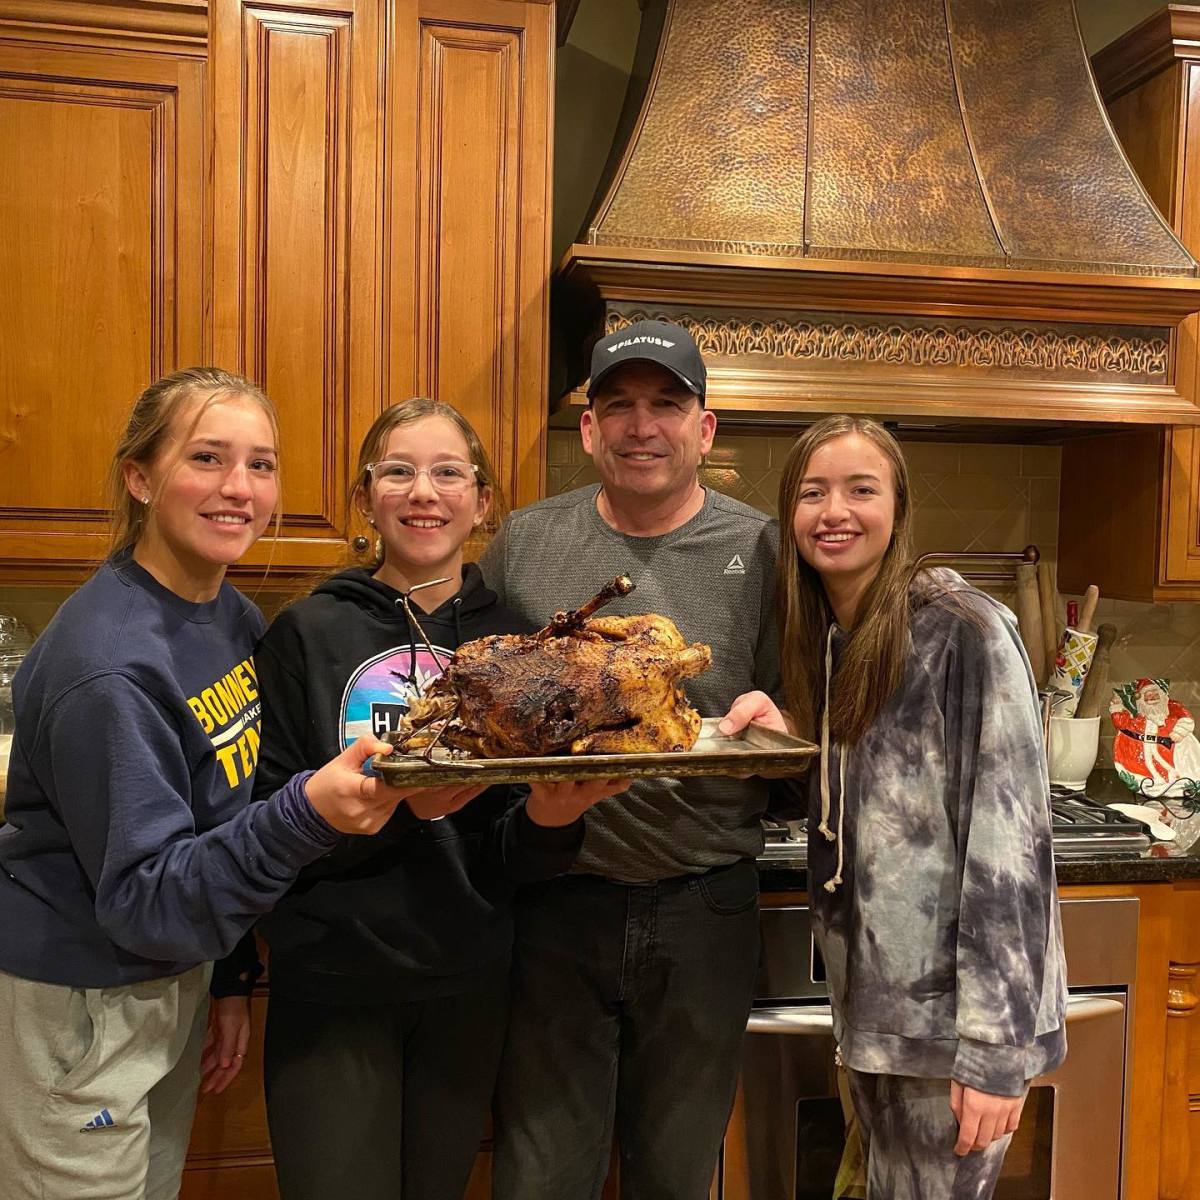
column 390, row 956
column 132, row 857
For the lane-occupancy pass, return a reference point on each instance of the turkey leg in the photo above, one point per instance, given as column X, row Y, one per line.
column 563, row 623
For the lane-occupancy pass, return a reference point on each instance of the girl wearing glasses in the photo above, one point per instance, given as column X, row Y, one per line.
column 390, row 957
column 132, row 857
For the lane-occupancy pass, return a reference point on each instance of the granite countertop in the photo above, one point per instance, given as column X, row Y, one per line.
column 773, row 878
column 1103, row 786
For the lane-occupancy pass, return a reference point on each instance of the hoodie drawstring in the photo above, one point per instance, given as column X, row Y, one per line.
column 831, row 885
column 456, row 607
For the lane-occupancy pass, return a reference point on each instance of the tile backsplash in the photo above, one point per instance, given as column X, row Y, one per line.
column 965, row 497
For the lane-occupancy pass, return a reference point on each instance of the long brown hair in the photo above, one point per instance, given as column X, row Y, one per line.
column 872, row 662
column 408, row 412
column 146, row 435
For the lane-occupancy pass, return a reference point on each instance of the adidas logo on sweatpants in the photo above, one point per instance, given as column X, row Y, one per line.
column 102, row 1120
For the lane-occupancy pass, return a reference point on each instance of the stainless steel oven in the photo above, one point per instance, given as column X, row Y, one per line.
column 785, row 1138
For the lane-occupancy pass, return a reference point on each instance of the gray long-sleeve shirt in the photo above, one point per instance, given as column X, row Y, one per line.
column 943, row 944
column 715, row 577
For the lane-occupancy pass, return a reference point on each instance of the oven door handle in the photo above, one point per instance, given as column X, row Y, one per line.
column 816, row 1020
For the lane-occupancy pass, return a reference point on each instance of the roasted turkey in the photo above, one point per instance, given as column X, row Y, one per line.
column 582, row 685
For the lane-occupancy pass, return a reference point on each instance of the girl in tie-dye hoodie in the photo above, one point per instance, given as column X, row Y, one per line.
column 930, row 865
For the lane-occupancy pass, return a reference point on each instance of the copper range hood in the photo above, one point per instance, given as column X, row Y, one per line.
column 915, row 208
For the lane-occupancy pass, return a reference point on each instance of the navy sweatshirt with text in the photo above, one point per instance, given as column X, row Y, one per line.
column 424, row 907
column 132, row 850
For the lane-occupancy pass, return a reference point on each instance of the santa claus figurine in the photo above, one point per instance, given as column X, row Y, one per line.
column 1155, row 750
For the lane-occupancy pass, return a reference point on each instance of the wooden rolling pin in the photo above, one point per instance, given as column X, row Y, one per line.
column 1029, row 618
column 1048, row 600
column 1094, row 697
column 1087, row 611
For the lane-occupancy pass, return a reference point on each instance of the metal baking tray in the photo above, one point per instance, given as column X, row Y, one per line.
column 755, row 751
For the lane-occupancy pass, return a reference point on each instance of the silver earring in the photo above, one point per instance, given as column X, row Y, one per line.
column 145, row 499
column 371, row 522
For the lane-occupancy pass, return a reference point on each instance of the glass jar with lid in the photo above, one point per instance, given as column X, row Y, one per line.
column 14, row 644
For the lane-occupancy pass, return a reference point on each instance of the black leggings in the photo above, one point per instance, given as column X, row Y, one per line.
column 381, row 1101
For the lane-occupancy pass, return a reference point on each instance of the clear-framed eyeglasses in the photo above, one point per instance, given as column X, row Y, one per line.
column 450, row 478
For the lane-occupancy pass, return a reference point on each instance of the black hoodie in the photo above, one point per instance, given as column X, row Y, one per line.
column 422, row 908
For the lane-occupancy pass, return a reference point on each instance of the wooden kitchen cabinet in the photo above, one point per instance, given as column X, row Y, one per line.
column 295, row 94
column 381, row 230
column 358, row 212
column 101, row 257
column 1131, row 501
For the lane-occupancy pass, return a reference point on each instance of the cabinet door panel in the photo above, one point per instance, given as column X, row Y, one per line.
column 295, row 143
column 1181, row 487
column 467, row 198
column 1182, row 532
column 100, row 253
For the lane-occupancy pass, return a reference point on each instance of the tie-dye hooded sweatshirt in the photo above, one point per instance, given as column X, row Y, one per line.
column 933, row 890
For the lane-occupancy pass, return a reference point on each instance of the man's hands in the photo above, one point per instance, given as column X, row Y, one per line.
column 225, row 1043
column 982, row 1117
column 557, row 804
column 356, row 803
column 754, row 706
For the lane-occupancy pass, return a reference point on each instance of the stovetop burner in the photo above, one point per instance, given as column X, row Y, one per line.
column 1081, row 827
column 786, row 843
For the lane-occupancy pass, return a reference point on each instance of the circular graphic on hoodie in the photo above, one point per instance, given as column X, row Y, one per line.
column 378, row 693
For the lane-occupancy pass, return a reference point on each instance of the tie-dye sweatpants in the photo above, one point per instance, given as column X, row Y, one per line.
column 908, row 1134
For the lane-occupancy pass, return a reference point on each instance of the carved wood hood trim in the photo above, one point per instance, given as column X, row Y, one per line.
column 919, row 159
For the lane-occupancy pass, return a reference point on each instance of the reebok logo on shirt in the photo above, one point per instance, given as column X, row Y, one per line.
column 736, row 566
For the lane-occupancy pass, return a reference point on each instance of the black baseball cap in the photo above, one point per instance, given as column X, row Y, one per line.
column 662, row 342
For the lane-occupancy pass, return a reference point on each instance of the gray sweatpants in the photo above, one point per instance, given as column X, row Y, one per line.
column 908, row 1133
column 98, row 1086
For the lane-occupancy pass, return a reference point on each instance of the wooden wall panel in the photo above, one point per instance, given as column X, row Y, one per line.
column 1151, row 81
column 1119, row 547
column 1146, row 119
column 101, row 231
column 230, row 1151
column 294, row 272
column 1182, row 524
column 468, row 204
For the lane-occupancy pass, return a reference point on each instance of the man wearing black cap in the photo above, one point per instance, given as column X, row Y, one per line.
column 633, row 974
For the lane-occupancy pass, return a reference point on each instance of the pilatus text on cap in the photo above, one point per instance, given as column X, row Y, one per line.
column 633, row 341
